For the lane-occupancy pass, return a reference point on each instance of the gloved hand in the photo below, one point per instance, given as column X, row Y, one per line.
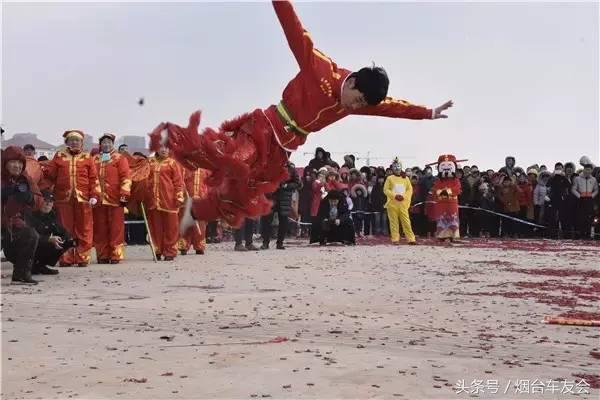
column 93, row 201
column 123, row 201
column 399, row 197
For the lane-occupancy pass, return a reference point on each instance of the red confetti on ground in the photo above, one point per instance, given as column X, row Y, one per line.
column 563, row 272
column 561, row 301
column 594, row 288
column 592, row 380
column 278, row 339
column 507, row 244
column 588, row 316
column 595, row 354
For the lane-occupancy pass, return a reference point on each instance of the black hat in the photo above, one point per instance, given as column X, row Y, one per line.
column 47, row 195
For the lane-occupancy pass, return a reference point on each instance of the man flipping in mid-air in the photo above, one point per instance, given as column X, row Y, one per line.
column 247, row 156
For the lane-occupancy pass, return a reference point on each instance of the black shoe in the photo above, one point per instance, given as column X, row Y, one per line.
column 200, row 252
column 265, row 246
column 322, row 243
column 24, row 281
column 239, row 247
column 169, row 258
column 82, row 265
column 101, row 261
column 44, row 270
column 216, row 240
column 158, row 257
column 280, row 246
column 209, row 240
column 114, row 262
column 252, row 247
column 183, row 252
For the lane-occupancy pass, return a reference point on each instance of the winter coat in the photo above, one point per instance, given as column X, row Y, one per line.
column 378, row 198
column 283, row 195
column 509, row 197
column 317, row 190
column 47, row 225
column 585, row 187
column 305, row 198
column 316, row 163
column 559, row 189
column 525, row 195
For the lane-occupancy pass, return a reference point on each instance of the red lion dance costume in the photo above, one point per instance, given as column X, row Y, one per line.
column 445, row 193
column 247, row 156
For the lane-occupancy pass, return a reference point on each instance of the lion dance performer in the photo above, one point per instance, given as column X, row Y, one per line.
column 247, row 156
column 445, row 193
column 195, row 183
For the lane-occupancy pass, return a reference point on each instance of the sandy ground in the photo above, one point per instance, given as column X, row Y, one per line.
column 371, row 321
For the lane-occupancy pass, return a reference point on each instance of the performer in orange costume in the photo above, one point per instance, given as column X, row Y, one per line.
column 33, row 167
column 247, row 156
column 163, row 201
column 109, row 215
column 76, row 191
column 195, row 182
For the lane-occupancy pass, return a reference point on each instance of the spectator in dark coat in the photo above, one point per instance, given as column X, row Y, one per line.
column 560, row 188
column 282, row 206
column 378, row 200
column 329, row 161
column 54, row 239
column 358, row 193
column 19, row 196
column 319, row 161
column 333, row 221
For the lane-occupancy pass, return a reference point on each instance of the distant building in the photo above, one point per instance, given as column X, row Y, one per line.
column 21, row 139
column 134, row 144
column 88, row 142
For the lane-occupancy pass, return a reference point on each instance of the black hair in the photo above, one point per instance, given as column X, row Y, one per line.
column 558, row 164
column 123, row 145
column 28, row 147
column 373, row 83
column 42, row 158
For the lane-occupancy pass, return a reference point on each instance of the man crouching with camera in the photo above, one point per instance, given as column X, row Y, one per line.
column 21, row 201
column 54, row 239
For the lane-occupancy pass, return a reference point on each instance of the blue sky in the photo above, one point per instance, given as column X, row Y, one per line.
column 523, row 76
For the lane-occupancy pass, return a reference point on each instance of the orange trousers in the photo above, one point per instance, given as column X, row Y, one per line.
column 109, row 232
column 164, row 229
column 195, row 236
column 77, row 219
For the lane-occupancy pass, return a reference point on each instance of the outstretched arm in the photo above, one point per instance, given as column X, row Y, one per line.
column 395, row 108
column 298, row 38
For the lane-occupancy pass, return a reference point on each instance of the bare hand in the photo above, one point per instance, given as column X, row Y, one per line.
column 56, row 242
column 337, row 222
column 399, row 197
column 437, row 112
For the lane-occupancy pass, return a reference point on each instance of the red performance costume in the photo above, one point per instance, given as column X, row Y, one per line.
column 163, row 201
column 109, row 215
column 247, row 156
column 195, row 182
column 73, row 174
column 445, row 193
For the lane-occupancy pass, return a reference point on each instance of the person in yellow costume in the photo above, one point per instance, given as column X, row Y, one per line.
column 398, row 190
